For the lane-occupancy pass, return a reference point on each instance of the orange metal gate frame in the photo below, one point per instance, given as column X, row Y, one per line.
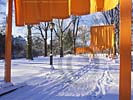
column 125, row 48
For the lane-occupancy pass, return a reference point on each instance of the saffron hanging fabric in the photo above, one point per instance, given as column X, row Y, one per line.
column 36, row 11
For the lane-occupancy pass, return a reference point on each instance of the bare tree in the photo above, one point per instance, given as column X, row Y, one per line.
column 29, row 43
column 43, row 28
column 75, row 20
column 2, row 20
column 61, row 29
column 83, row 33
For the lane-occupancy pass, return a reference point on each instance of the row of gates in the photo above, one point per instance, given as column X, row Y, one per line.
column 102, row 38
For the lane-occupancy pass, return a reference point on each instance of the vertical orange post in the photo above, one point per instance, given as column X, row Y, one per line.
column 125, row 50
column 8, row 43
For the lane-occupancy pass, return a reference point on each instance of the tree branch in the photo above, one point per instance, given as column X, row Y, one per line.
column 67, row 26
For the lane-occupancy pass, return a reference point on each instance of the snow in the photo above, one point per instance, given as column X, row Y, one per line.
column 73, row 78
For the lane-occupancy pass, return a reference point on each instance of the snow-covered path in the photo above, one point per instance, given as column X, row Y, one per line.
column 74, row 78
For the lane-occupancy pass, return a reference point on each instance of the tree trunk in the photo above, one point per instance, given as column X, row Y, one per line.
column 29, row 43
column 74, row 45
column 61, row 46
column 45, row 43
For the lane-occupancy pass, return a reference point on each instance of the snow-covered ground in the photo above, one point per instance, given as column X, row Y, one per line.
column 73, row 78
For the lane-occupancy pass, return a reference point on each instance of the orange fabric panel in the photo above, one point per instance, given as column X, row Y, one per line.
column 100, row 5
column 81, row 50
column 19, row 12
column 106, row 32
column 59, row 8
column 95, row 38
column 44, row 9
column 35, row 11
column 93, row 6
column 100, row 38
column 103, row 37
column 102, row 32
column 108, row 5
column 80, row 7
column 111, row 37
column 31, row 11
column 107, row 36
